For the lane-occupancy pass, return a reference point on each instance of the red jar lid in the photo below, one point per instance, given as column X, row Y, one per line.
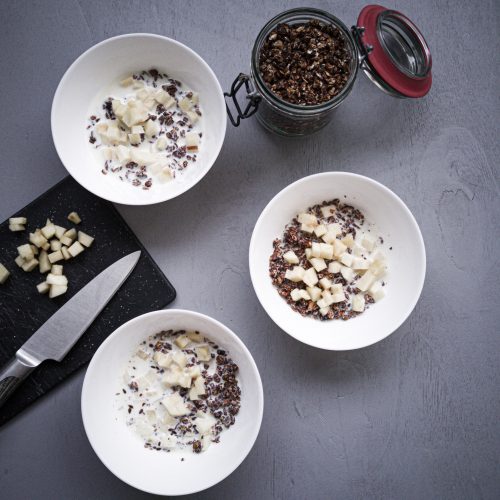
column 396, row 55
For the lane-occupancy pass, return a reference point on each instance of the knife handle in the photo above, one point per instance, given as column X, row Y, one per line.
column 11, row 376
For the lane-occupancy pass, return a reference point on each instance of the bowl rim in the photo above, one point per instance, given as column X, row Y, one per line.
column 169, row 312
column 61, row 85
column 268, row 210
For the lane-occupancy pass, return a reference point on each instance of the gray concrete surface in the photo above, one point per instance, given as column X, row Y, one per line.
column 413, row 417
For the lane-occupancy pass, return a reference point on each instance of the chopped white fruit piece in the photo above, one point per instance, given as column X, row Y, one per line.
column 175, row 405
column 20, row 261
column 18, row 220
column 306, row 228
column 34, row 249
column 338, row 248
column 65, row 253
column 44, row 263
column 74, row 217
column 107, row 153
column 195, row 98
column 203, row 353
column 195, row 336
column 123, row 153
column 359, row 263
column 165, row 175
column 334, row 228
column 75, row 249
column 295, row 294
column 26, row 252
column 346, row 259
column 290, row 257
column 49, row 231
column 316, row 249
column 59, row 231
column 182, row 341
column 296, row 274
column 320, row 230
column 162, row 359
column 307, row 219
column 326, row 251
column 16, row 227
column 365, row 282
column 4, row 274
column 185, row 104
column 377, row 291
column 378, row 256
column 329, row 237
column 326, row 299
column 55, row 256
column 314, row 292
column 54, row 279
column 176, row 376
column 137, row 129
column 28, row 266
column 101, row 128
column 38, row 239
column 368, row 242
column 71, row 233
column 85, row 239
column 358, row 303
column 318, row 264
column 55, row 245
column 134, row 139
column 324, row 311
column 193, row 117
column 192, row 141
column 338, row 297
column 56, row 269
column 336, row 288
column 56, row 290
column 43, row 287
column 328, row 210
column 197, row 389
column 348, row 240
column 164, row 98
column 180, row 359
column 325, row 283
column 127, row 82
column 358, row 250
column 161, row 143
column 204, row 422
column 136, row 112
column 152, row 128
column 347, row 273
column 308, row 253
column 378, row 269
column 193, row 371
column 46, row 246
column 310, row 277
column 334, row 267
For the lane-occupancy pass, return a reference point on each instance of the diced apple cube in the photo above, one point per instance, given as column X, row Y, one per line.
column 291, row 257
column 28, row 266
column 136, row 113
column 358, row 303
column 346, row 259
column 307, row 219
column 310, row 278
column 26, row 252
column 326, row 251
column 195, row 336
column 164, row 98
column 338, row 297
column 193, row 116
column 175, row 405
column 38, row 239
column 56, row 290
column 16, row 227
column 318, row 264
column 85, row 239
column 165, row 175
column 326, row 299
column 328, row 210
column 348, row 240
column 203, row 353
column 55, row 245
column 378, row 269
column 164, row 360
column 71, row 233
column 320, row 230
column 314, row 292
column 59, row 231
column 295, row 294
column 306, row 228
column 65, row 253
column 55, row 256
column 54, row 279
column 19, row 261
column 325, row 283
column 4, row 274
column 57, row 270
column 365, row 282
column 44, row 263
column 43, row 287
column 336, row 288
column 181, row 341
column 324, row 311
column 192, row 141
column 198, row 389
column 161, row 143
column 18, row 220
column 151, row 128
column 49, row 231
column 377, row 291
column 338, row 248
column 308, row 253
column 75, row 249
column 74, row 217
column 360, row 264
column 315, row 249
column 296, row 274
column 334, row 267
column 347, row 273
column 329, row 237
column 368, row 242
column 179, row 358
column 185, row 104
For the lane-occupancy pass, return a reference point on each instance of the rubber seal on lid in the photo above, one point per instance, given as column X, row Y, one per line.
column 398, row 56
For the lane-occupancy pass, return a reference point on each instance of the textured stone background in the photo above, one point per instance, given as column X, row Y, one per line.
column 415, row 416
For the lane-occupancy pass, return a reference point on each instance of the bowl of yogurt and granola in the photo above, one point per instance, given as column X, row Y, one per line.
column 172, row 402
column 138, row 119
column 337, row 260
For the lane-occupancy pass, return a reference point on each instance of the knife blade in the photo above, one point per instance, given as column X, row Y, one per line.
column 54, row 339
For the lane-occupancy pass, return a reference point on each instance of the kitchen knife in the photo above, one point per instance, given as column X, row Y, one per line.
column 60, row 332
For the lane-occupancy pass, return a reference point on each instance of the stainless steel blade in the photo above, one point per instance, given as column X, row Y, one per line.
column 60, row 332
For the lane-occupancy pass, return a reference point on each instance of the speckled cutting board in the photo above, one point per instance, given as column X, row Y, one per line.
column 23, row 310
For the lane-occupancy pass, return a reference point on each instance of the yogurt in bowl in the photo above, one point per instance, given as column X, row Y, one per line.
column 153, row 127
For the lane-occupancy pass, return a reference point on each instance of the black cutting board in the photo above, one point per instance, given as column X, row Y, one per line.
column 23, row 310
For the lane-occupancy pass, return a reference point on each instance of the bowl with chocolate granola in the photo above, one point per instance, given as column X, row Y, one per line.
column 143, row 129
column 337, row 260
column 172, row 402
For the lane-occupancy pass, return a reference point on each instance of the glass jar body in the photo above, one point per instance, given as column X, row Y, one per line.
column 285, row 118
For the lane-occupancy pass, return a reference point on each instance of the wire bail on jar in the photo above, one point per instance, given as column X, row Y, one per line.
column 253, row 99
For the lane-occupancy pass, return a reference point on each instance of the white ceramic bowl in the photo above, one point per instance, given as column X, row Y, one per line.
column 406, row 261
column 84, row 87
column 122, row 450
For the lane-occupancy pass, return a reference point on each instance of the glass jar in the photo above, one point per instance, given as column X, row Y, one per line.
column 385, row 44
